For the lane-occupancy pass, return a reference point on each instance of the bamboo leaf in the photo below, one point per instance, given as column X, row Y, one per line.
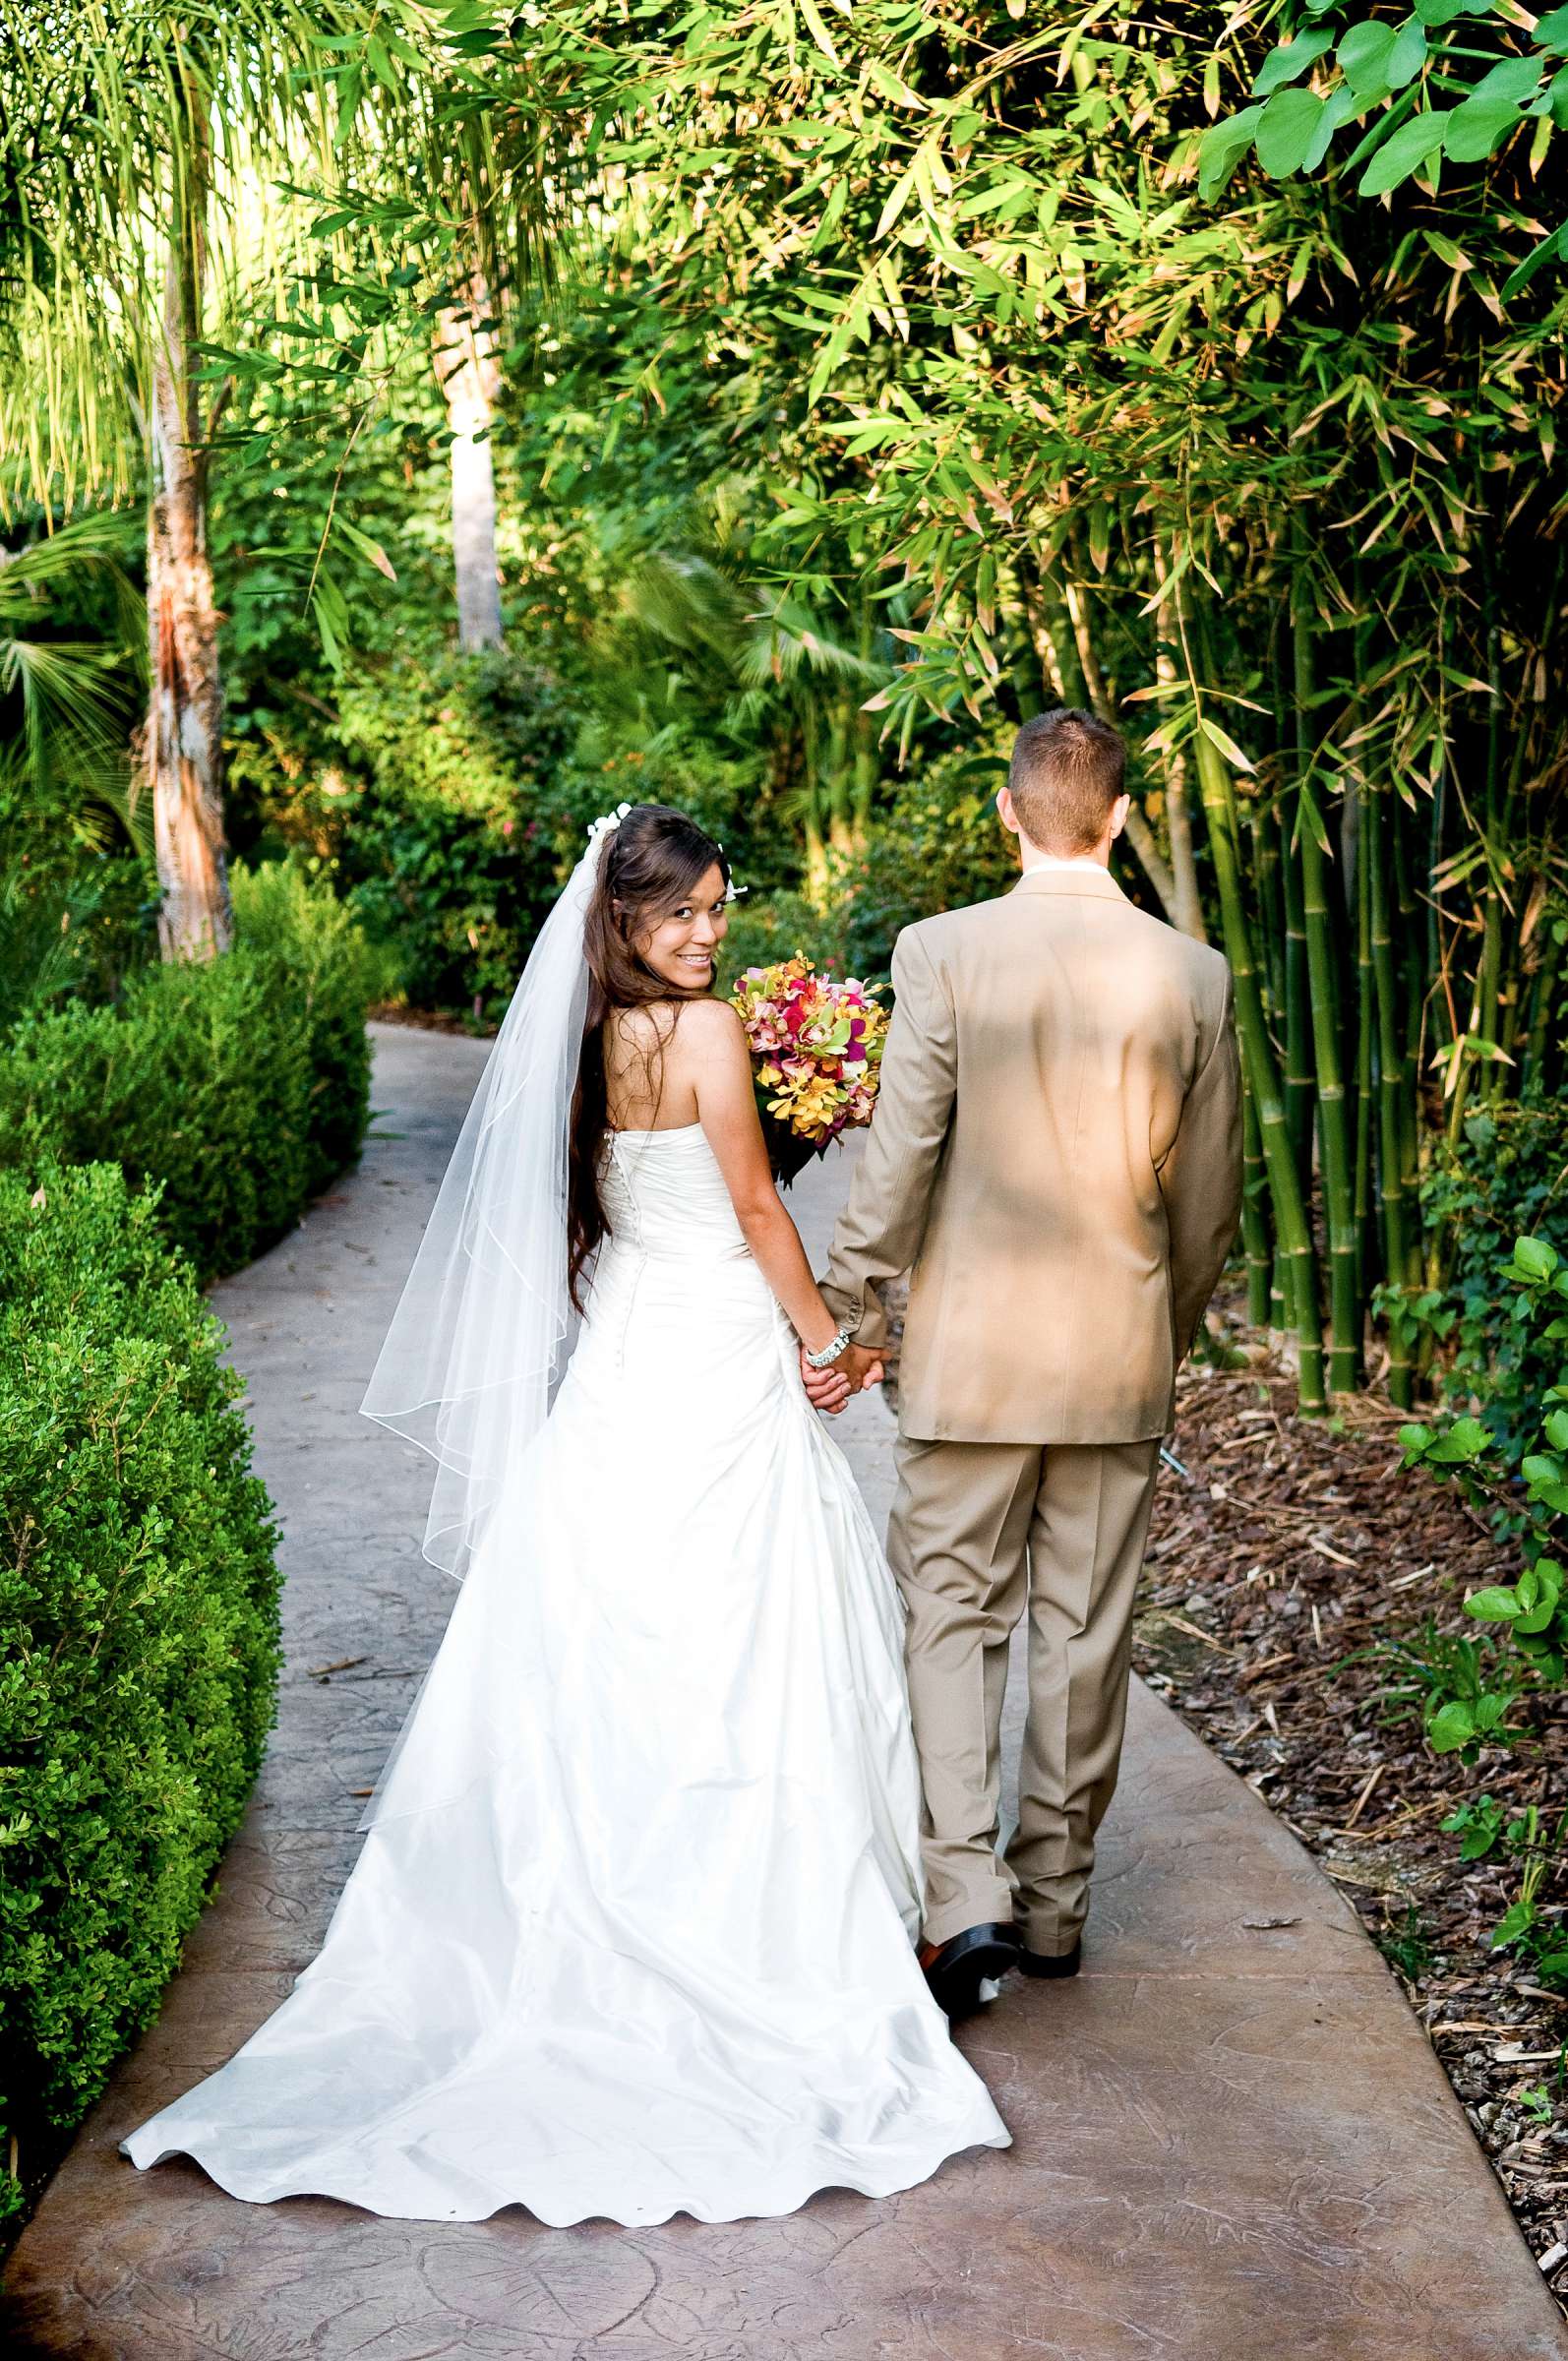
column 1289, row 62
column 1363, row 56
column 1407, row 54
column 1472, row 129
column 819, row 30
column 1286, row 131
column 1223, row 146
column 1338, row 109
column 368, row 549
column 1227, row 745
column 897, row 198
column 1401, row 153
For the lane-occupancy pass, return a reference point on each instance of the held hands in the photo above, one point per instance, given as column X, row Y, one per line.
column 830, row 1388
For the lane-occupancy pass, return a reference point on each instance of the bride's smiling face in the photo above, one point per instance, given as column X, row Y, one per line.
column 680, row 950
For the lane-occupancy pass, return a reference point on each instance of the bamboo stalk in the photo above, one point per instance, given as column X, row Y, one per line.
column 1151, row 859
column 1410, row 935
column 1317, row 925
column 1255, row 1217
column 1050, row 627
column 1339, row 1193
column 1365, row 1021
column 1507, row 963
column 1390, row 1070
column 1280, row 1312
column 1494, row 841
column 1186, row 906
column 1300, row 1083
column 1094, row 685
column 1186, row 900
column 1270, row 900
column 1543, row 997
column 1292, row 1227
column 1051, row 634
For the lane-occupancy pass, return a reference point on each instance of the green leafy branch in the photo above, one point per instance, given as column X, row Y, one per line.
column 1450, row 82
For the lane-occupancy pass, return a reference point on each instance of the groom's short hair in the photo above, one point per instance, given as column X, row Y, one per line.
column 1066, row 771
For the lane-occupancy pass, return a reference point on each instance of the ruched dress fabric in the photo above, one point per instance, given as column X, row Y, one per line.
column 632, row 1930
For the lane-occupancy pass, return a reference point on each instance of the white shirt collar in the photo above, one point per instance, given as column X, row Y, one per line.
column 1057, row 861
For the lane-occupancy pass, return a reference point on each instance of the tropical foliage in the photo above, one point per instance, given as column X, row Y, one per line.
column 858, row 385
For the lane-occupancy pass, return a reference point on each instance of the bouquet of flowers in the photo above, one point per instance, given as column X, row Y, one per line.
column 816, row 1050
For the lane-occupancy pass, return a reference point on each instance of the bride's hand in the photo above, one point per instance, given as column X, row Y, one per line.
column 827, row 1390
column 830, row 1388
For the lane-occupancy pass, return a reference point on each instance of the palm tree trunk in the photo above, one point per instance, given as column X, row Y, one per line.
column 183, row 745
column 470, row 384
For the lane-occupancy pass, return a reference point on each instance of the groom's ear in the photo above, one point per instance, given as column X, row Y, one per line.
column 1005, row 813
column 1118, row 815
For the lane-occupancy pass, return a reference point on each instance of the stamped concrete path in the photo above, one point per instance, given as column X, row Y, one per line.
column 1232, row 2140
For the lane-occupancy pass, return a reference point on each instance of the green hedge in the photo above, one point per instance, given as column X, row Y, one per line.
column 139, row 1635
column 241, row 1085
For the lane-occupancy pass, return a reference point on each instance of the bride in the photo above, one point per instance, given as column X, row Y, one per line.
column 632, row 1932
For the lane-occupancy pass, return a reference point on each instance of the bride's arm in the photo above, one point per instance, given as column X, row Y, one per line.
column 714, row 1054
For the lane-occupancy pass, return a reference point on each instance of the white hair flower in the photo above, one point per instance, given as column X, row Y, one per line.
column 607, row 823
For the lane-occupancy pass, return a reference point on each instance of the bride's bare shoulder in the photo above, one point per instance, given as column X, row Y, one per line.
column 708, row 1039
column 647, row 1026
column 713, row 1027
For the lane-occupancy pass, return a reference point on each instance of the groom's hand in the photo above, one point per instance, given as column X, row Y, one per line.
column 861, row 1367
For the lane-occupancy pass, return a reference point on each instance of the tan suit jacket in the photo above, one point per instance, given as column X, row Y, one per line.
column 1057, row 1156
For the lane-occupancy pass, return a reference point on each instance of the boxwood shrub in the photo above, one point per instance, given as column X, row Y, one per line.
column 242, row 1085
column 139, row 1633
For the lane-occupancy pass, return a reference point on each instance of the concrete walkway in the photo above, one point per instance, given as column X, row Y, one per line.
column 1231, row 2138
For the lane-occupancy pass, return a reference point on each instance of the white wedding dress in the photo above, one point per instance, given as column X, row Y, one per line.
column 650, row 1952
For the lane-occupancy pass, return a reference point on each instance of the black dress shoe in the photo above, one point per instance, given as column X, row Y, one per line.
column 1045, row 1962
column 956, row 1969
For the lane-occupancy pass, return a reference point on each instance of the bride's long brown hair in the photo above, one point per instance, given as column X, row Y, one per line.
column 648, row 868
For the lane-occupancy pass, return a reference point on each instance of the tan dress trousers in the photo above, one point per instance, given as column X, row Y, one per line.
column 977, row 1532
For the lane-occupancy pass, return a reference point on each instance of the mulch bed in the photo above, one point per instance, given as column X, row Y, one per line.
column 1281, row 1573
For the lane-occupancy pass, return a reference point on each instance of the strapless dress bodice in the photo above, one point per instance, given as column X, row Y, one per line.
column 664, row 1196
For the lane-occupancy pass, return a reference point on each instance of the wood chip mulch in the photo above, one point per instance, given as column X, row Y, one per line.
column 1282, row 1574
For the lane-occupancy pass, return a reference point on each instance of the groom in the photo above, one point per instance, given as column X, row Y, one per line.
column 1056, row 1157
